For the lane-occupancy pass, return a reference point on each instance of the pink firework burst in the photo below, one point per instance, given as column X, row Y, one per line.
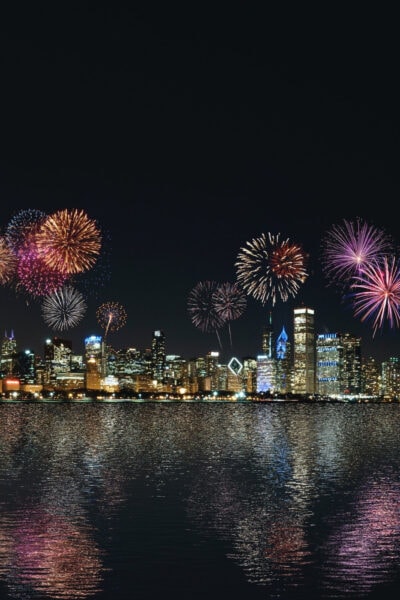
column 376, row 293
column 35, row 277
column 349, row 246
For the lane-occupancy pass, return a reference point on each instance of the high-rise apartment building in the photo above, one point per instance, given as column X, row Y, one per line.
column 304, row 381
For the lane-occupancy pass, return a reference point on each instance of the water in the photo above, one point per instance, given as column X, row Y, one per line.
column 199, row 500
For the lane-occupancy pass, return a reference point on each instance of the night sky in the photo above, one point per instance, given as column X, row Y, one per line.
column 187, row 132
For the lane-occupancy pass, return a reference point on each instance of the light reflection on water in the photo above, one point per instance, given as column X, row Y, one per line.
column 130, row 500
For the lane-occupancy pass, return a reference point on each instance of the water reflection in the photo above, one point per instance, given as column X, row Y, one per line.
column 97, row 500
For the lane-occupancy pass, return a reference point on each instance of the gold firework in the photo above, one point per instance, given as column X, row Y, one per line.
column 69, row 241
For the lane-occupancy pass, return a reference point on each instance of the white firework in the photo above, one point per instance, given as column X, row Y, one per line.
column 64, row 308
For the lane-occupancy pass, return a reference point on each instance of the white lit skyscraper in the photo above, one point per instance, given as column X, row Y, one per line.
column 303, row 351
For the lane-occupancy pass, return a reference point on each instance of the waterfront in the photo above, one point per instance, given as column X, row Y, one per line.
column 219, row 500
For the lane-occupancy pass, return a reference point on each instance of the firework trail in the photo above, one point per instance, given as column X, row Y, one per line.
column 64, row 308
column 69, row 241
column 376, row 293
column 111, row 316
column 349, row 246
column 22, row 228
column 229, row 302
column 201, row 308
column 269, row 268
column 8, row 262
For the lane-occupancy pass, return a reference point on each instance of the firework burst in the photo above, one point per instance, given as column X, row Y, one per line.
column 69, row 241
column 64, row 308
column 269, row 268
column 111, row 316
column 229, row 302
column 349, row 246
column 35, row 277
column 201, row 308
column 376, row 293
column 8, row 262
column 22, row 227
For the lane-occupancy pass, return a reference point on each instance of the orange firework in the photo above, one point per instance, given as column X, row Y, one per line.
column 69, row 241
column 8, row 262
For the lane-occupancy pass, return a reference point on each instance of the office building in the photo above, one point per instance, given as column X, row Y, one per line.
column 304, row 360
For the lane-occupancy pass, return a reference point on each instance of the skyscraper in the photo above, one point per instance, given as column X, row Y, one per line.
column 158, row 356
column 8, row 349
column 303, row 351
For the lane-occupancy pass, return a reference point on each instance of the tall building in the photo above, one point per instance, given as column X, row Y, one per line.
column 352, row 361
column 8, row 350
column 283, row 363
column 267, row 338
column 266, row 374
column 391, row 377
column 94, row 359
column 24, row 367
column 329, row 364
column 158, row 356
column 57, row 359
column 304, row 380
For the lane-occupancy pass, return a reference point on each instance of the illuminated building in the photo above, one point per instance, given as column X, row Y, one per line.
column 8, row 349
column 267, row 338
column 371, row 377
column 57, row 359
column 24, row 367
column 351, row 380
column 304, row 377
column 329, row 364
column 338, row 364
column 283, row 363
column 266, row 373
column 158, row 356
column 94, row 358
column 391, row 378
column 249, row 376
column 212, row 371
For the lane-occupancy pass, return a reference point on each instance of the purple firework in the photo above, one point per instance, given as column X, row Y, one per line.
column 376, row 293
column 348, row 247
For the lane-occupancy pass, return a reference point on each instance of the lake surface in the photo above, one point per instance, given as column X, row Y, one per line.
column 199, row 500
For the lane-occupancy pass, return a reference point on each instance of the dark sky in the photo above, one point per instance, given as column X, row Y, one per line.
column 188, row 131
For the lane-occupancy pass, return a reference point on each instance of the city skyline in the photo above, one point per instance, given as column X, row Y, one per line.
column 185, row 142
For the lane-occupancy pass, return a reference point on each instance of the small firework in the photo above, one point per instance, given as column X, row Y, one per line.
column 348, row 246
column 377, row 293
column 64, row 308
column 111, row 316
column 8, row 262
column 35, row 277
column 69, row 241
column 268, row 268
column 22, row 227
